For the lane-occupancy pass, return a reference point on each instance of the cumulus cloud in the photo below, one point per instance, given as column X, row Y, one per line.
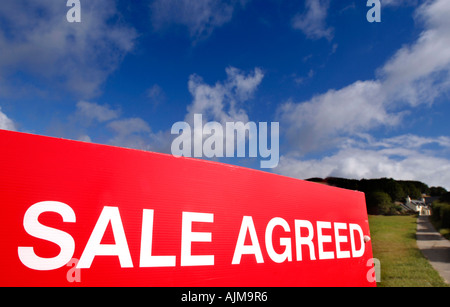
column 36, row 39
column 403, row 157
column 128, row 126
column 321, row 122
column 223, row 101
column 220, row 102
column 93, row 111
column 313, row 21
column 130, row 132
column 6, row 123
column 420, row 72
column 416, row 74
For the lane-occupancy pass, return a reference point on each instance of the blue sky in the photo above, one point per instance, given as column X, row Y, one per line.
column 353, row 99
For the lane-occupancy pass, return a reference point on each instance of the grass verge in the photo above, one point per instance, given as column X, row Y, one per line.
column 402, row 263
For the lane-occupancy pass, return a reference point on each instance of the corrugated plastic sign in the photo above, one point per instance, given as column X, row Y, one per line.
column 81, row 214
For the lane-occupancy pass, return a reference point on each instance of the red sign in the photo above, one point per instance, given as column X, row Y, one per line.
column 76, row 213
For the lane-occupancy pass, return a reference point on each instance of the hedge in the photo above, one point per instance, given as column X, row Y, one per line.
column 441, row 214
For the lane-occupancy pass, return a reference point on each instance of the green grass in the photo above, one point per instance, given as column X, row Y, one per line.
column 445, row 232
column 401, row 262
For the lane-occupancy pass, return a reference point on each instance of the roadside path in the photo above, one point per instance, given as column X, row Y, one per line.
column 434, row 247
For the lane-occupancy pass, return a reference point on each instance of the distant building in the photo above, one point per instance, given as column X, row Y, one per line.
column 419, row 206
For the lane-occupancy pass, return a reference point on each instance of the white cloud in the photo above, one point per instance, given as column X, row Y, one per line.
column 411, row 141
column 312, row 22
column 84, row 138
column 93, row 111
column 244, row 86
column 200, row 17
column 128, row 126
column 322, row 121
column 129, row 132
column 418, row 73
column 36, row 39
column 404, row 158
column 6, row 123
column 223, row 101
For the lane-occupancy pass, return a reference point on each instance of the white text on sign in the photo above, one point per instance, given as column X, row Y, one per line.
column 305, row 235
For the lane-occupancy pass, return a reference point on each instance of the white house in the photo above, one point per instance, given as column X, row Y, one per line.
column 418, row 206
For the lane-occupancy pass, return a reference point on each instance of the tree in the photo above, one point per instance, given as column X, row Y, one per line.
column 350, row 184
column 437, row 191
column 388, row 185
column 412, row 190
column 379, row 202
column 415, row 189
column 445, row 198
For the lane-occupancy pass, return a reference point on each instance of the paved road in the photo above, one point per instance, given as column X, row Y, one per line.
column 435, row 247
